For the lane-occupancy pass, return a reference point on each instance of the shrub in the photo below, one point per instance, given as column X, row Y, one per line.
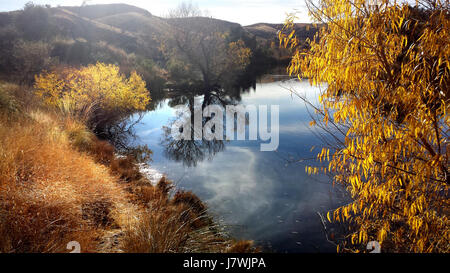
column 29, row 59
column 8, row 36
column 8, row 104
column 98, row 92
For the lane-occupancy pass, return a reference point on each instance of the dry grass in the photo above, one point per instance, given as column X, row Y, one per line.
column 171, row 227
column 102, row 151
column 177, row 224
column 50, row 193
column 243, row 247
column 126, row 168
column 59, row 183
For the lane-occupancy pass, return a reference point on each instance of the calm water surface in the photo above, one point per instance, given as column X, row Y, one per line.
column 261, row 196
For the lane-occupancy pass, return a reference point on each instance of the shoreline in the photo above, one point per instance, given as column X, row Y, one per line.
column 152, row 174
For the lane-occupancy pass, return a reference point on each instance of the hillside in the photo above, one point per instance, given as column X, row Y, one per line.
column 100, row 11
column 135, row 22
column 123, row 25
column 39, row 38
column 266, row 31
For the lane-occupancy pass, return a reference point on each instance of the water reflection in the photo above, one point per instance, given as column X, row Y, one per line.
column 256, row 194
column 189, row 152
column 196, row 98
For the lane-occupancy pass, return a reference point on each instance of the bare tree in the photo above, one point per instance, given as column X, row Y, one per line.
column 185, row 10
column 202, row 45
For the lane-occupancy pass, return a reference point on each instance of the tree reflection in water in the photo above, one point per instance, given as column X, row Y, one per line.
column 191, row 152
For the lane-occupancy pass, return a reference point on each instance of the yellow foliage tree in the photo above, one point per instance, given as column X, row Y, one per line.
column 239, row 55
column 99, row 92
column 386, row 69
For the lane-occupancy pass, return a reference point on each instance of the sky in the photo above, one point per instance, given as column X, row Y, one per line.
column 244, row 12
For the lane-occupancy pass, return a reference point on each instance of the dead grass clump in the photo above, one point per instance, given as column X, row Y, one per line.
column 164, row 186
column 243, row 246
column 50, row 193
column 79, row 135
column 157, row 231
column 102, row 151
column 190, row 200
column 98, row 213
column 39, row 226
column 177, row 224
column 144, row 194
column 194, row 209
column 126, row 168
column 147, row 195
column 164, row 229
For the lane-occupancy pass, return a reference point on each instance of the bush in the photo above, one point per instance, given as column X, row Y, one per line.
column 75, row 52
column 98, row 94
column 29, row 59
column 8, row 104
column 8, row 37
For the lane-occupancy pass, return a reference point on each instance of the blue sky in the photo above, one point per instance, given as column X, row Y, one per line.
column 244, row 12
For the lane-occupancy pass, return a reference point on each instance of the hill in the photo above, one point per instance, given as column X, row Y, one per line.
column 266, row 31
column 100, row 11
column 135, row 22
column 40, row 37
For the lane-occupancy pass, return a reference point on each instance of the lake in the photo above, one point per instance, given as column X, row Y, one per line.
column 262, row 196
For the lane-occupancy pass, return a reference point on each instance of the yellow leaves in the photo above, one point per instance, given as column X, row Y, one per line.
column 137, row 93
column 387, row 75
column 356, row 182
column 240, row 54
column 400, row 23
column 311, row 170
column 382, row 234
column 101, row 85
column 362, row 237
column 291, row 34
column 49, row 88
column 354, row 238
column 324, row 154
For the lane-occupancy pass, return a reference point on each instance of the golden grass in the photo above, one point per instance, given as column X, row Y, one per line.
column 50, row 193
column 59, row 183
column 176, row 224
column 171, row 226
